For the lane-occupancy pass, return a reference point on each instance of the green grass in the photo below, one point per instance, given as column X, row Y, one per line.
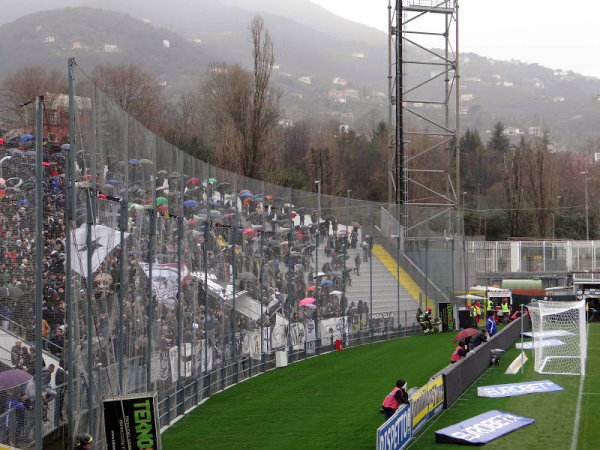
column 330, row 401
column 554, row 412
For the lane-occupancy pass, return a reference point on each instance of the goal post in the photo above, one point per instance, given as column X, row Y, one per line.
column 559, row 336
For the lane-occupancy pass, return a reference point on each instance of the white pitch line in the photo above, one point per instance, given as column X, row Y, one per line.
column 578, row 410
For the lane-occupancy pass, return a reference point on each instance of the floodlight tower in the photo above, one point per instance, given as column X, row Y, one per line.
column 424, row 103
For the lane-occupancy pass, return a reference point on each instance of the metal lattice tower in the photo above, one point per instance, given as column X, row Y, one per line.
column 424, row 95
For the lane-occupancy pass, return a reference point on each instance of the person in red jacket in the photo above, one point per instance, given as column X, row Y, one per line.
column 459, row 352
column 394, row 399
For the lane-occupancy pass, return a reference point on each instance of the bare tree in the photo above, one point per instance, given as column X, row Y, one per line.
column 512, row 171
column 134, row 90
column 539, row 181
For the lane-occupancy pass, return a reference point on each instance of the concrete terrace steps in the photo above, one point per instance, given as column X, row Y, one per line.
column 405, row 280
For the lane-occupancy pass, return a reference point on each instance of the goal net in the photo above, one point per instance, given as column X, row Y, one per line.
column 559, row 337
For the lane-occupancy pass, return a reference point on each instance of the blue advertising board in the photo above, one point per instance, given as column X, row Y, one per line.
column 482, row 429
column 509, row 390
column 397, row 431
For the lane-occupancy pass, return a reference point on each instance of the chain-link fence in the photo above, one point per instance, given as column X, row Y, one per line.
column 162, row 273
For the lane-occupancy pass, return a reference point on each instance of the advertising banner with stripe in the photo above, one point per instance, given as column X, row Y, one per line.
column 397, row 431
column 509, row 390
column 482, row 429
column 427, row 402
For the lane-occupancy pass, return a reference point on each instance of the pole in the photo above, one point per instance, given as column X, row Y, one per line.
column 70, row 218
column 89, row 316
column 39, row 263
column 522, row 349
column 370, row 256
column 318, row 183
column 260, row 276
column 180, row 400
column 399, row 148
column 150, row 307
column 390, row 105
column 464, row 243
column 123, row 275
column 205, row 258
column 587, row 216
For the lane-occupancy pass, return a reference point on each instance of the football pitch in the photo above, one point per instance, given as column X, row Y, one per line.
column 332, row 401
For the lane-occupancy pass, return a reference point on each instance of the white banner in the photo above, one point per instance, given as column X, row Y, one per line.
column 332, row 328
column 164, row 281
column 311, row 337
column 516, row 365
column 103, row 241
column 297, row 336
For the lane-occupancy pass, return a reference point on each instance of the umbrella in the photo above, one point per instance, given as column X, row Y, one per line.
column 161, row 172
column 190, row 203
column 465, row 334
column 307, row 301
column 215, row 214
column 13, row 378
column 136, row 252
column 23, row 202
column 248, row 231
column 246, row 276
column 29, row 153
column 470, row 297
column 246, row 195
column 354, row 224
column 311, row 288
column 172, row 175
column 161, row 200
column 192, row 181
column 214, row 204
column 326, row 283
column 146, row 162
column 112, row 181
column 134, row 161
column 65, row 147
column 26, row 137
column 335, row 293
column 210, row 180
column 311, row 306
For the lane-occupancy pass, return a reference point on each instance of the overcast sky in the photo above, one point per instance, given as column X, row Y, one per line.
column 553, row 33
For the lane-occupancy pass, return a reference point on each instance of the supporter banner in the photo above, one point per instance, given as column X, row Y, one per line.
column 509, row 390
column 548, row 334
column 547, row 343
column 482, row 429
column 104, row 240
column 173, row 352
column 427, row 402
column 516, row 365
column 332, row 328
column 311, row 337
column 164, row 281
column 397, row 431
column 159, row 366
column 132, row 422
column 297, row 336
column 278, row 338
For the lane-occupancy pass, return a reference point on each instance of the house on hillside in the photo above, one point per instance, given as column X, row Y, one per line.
column 340, row 81
column 358, row 55
column 48, row 39
column 334, row 94
column 305, row 80
column 56, row 112
column 111, row 48
column 351, row 94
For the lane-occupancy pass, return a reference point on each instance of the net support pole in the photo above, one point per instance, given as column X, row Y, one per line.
column 39, row 248
column 89, row 316
column 69, row 216
column 122, row 289
column 150, row 306
column 205, row 262
column 180, row 399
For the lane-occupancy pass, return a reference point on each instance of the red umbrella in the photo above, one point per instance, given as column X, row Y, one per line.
column 248, row 231
column 307, row 300
column 192, row 181
column 311, row 288
column 465, row 334
column 45, row 164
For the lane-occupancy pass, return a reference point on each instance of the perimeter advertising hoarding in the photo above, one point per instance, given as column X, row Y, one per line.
column 131, row 422
column 427, row 402
column 482, row 429
column 397, row 431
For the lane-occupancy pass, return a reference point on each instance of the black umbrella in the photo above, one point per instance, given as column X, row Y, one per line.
column 246, row 276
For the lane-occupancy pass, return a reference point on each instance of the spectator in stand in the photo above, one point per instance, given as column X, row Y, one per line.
column 16, row 354
column 58, row 343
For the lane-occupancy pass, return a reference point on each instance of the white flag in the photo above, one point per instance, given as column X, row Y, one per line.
column 103, row 241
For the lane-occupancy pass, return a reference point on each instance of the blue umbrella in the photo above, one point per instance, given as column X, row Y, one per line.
column 326, row 283
column 112, row 181
column 29, row 153
column 134, row 161
column 26, row 137
column 23, row 202
column 190, row 203
column 246, row 195
column 136, row 252
column 214, row 204
column 214, row 213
